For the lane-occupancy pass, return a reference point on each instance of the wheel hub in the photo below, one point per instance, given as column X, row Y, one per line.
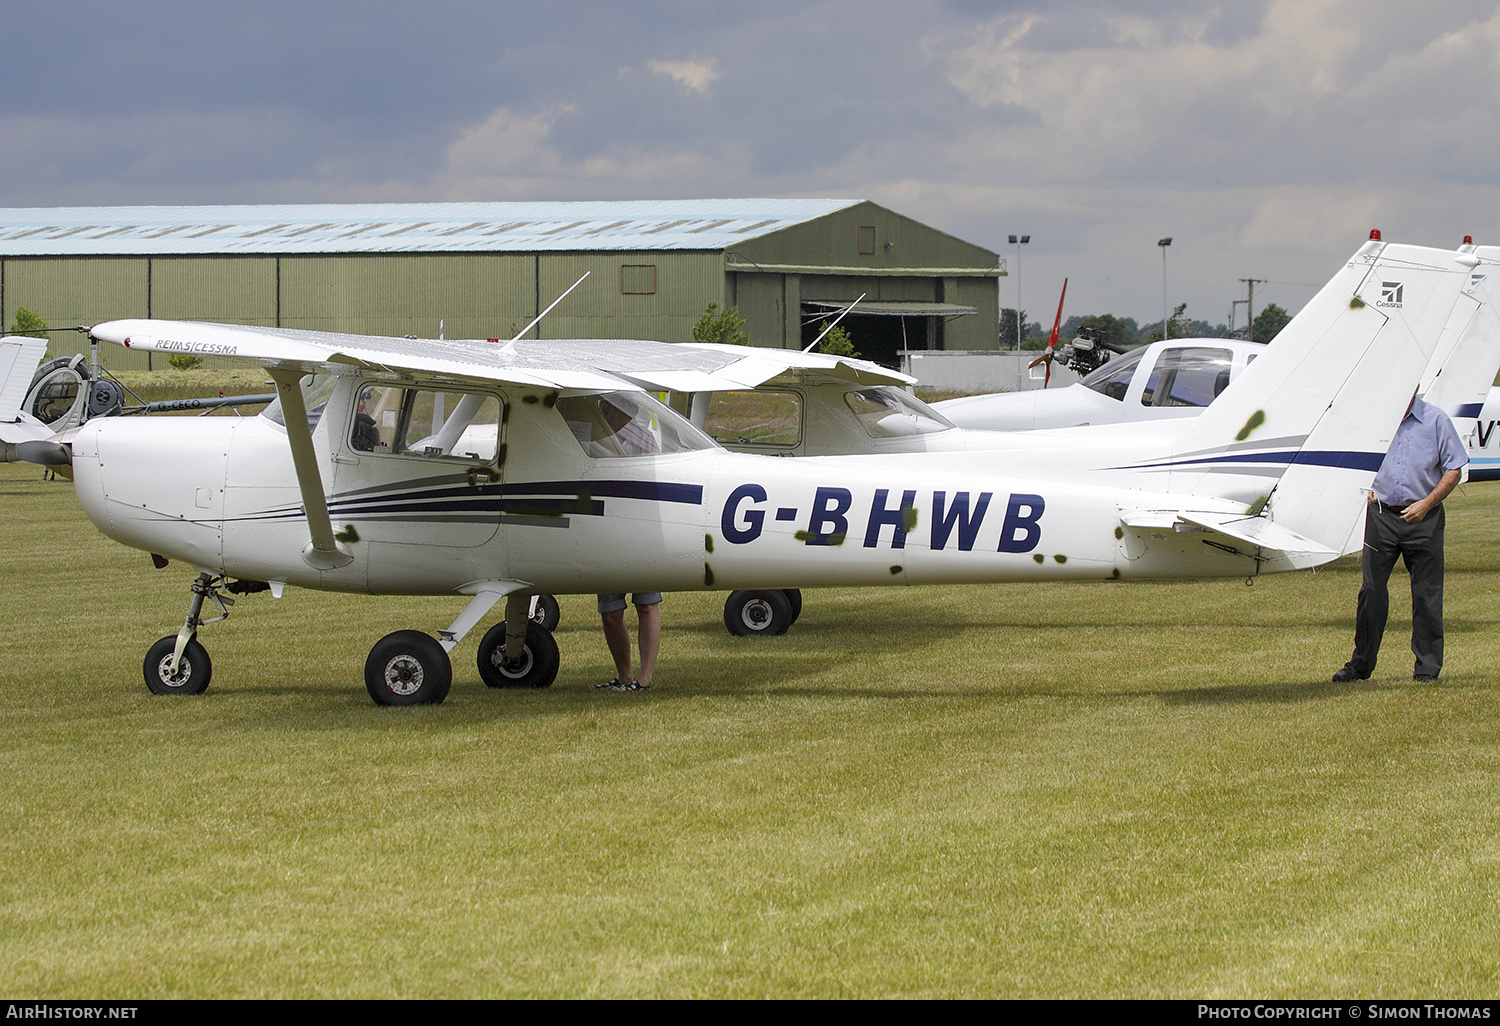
column 174, row 680
column 514, row 668
column 403, row 675
column 757, row 614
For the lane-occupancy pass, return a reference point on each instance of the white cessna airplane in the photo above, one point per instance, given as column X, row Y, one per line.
column 395, row 466
column 1179, row 377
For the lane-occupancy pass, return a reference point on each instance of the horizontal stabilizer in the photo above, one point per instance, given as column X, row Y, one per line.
column 1237, row 530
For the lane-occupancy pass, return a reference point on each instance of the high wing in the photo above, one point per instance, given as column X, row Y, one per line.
column 692, row 367
column 295, row 349
column 572, row 363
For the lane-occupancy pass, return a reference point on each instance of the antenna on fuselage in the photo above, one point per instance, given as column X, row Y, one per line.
column 510, row 346
column 836, row 320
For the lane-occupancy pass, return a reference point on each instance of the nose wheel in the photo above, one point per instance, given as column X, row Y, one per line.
column 193, row 670
column 178, row 664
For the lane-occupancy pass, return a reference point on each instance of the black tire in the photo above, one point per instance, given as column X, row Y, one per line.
column 794, row 596
column 193, row 671
column 539, row 662
column 548, row 613
column 408, row 668
column 757, row 613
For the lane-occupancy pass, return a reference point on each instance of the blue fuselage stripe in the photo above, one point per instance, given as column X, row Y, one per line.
column 1317, row 458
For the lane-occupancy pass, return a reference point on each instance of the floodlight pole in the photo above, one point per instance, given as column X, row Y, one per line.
column 1019, row 241
column 1166, row 325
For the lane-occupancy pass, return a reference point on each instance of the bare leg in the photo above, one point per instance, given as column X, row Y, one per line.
column 649, row 640
column 617, row 637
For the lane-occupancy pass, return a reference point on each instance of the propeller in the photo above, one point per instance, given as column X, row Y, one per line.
column 1052, row 342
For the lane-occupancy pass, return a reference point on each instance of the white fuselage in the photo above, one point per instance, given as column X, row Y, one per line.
column 1160, row 381
column 224, row 497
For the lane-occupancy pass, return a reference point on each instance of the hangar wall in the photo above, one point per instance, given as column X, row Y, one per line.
column 939, row 292
column 479, row 295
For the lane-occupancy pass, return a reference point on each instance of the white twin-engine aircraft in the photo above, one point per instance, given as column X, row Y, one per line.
column 394, row 466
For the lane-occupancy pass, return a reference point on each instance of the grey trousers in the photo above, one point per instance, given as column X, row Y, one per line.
column 1387, row 536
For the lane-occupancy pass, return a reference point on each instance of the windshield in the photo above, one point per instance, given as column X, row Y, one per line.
column 1189, row 376
column 316, row 388
column 886, row 412
column 1113, row 379
column 611, row 425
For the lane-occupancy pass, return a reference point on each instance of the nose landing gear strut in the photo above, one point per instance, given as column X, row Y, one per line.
column 178, row 664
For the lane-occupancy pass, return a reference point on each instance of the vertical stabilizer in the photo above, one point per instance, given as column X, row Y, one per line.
column 1326, row 398
column 19, row 358
column 1458, row 379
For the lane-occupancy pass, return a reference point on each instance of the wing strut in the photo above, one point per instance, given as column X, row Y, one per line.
column 324, row 552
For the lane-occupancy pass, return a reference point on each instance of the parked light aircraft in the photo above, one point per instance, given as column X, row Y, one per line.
column 1179, row 377
column 1173, row 378
column 1484, row 447
column 395, row 466
column 805, row 412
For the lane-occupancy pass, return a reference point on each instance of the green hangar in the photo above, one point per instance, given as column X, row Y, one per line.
column 485, row 270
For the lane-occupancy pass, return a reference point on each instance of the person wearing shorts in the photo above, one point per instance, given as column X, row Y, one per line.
column 617, row 637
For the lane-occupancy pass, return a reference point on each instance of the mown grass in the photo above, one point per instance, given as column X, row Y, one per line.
column 1076, row 790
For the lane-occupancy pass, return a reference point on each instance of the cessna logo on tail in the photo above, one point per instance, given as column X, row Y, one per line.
column 1390, row 294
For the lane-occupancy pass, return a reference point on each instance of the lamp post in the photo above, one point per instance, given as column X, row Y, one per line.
column 1166, row 325
column 1019, row 241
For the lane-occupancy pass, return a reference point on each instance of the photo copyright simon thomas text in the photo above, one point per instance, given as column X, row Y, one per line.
column 1344, row 1010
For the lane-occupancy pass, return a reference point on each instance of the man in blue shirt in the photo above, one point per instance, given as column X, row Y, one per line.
column 1405, row 518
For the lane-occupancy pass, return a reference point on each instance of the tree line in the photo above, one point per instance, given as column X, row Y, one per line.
column 1125, row 332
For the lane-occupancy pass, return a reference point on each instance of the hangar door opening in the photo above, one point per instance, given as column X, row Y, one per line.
column 881, row 330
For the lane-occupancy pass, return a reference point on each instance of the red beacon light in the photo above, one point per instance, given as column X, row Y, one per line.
column 1374, row 234
column 1468, row 240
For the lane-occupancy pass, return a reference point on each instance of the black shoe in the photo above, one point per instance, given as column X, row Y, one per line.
column 613, row 682
column 1347, row 673
column 1424, row 678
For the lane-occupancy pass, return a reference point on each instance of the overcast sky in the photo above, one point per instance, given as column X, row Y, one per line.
column 1266, row 137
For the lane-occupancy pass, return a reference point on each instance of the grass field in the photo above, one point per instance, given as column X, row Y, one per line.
column 1026, row 791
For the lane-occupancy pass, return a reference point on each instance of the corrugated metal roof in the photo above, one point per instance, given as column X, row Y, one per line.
column 401, row 227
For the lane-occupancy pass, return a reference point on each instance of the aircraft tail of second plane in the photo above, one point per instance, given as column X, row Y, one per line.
column 1323, row 403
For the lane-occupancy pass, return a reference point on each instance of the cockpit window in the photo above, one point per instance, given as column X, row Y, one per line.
column 886, row 412
column 754, row 417
column 1188, row 376
column 612, row 425
column 1113, row 379
column 316, row 388
column 426, row 422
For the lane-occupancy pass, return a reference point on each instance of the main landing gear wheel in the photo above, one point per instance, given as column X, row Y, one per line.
column 193, row 670
column 794, row 596
column 547, row 614
column 758, row 613
column 537, row 667
column 408, row 668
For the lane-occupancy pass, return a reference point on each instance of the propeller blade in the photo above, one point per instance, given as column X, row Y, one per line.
column 1057, row 324
column 1052, row 342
